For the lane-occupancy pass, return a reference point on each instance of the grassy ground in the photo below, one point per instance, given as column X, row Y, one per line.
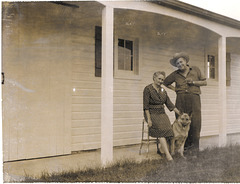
column 211, row 165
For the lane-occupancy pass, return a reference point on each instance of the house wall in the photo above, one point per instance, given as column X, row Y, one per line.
column 56, row 108
column 37, row 90
column 233, row 96
column 86, row 99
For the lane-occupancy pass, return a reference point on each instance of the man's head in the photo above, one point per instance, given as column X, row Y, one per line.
column 180, row 60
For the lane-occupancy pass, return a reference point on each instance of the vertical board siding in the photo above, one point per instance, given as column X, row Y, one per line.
column 233, row 96
column 36, row 100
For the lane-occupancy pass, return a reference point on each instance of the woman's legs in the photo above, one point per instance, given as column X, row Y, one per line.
column 164, row 146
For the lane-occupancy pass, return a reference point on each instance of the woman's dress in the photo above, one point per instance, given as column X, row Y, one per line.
column 154, row 101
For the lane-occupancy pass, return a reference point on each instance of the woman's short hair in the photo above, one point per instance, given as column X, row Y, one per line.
column 158, row 73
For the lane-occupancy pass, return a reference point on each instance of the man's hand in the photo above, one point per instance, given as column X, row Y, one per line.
column 189, row 81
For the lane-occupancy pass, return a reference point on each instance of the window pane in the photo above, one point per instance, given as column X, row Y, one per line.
column 129, row 46
column 125, row 55
column 212, row 62
column 127, row 60
column 211, row 66
column 212, row 73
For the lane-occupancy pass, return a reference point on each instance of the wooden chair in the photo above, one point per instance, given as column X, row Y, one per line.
column 146, row 138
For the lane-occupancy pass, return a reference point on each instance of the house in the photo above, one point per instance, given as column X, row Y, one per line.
column 75, row 72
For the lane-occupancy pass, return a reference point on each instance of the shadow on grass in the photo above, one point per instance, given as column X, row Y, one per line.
column 211, row 165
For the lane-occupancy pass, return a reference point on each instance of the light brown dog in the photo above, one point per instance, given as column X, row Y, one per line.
column 180, row 127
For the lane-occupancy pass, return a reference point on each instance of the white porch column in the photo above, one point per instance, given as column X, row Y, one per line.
column 107, row 87
column 222, row 91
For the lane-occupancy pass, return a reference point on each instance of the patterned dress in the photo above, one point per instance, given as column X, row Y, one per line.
column 154, row 101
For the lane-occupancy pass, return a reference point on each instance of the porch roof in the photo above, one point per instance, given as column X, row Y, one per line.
column 193, row 10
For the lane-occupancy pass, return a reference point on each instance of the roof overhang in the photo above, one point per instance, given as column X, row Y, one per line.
column 193, row 10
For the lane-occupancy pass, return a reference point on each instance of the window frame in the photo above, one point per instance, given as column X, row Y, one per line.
column 228, row 69
column 124, row 74
column 210, row 80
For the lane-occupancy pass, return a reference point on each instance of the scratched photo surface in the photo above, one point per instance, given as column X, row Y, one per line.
column 73, row 75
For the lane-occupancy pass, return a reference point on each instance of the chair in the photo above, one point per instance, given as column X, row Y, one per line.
column 146, row 138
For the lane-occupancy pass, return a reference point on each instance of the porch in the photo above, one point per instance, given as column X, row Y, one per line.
column 63, row 110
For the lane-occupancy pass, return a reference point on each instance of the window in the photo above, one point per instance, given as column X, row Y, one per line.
column 126, row 64
column 126, row 50
column 211, row 67
column 125, row 55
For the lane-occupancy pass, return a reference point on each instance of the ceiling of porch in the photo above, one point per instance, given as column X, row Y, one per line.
column 162, row 28
column 150, row 27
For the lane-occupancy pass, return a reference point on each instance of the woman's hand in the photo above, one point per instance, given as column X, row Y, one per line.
column 149, row 123
column 177, row 111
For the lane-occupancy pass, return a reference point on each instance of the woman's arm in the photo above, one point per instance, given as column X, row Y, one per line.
column 149, row 121
column 146, row 97
column 177, row 111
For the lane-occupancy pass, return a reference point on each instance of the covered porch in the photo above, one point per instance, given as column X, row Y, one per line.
column 69, row 107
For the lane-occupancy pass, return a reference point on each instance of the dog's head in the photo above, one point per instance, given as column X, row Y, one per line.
column 184, row 119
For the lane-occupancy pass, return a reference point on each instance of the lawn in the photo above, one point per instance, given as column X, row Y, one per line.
column 211, row 165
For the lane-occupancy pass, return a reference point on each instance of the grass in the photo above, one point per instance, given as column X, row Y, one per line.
column 211, row 165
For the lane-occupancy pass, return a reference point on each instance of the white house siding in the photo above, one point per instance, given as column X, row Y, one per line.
column 86, row 88
column 233, row 96
column 86, row 99
column 154, row 54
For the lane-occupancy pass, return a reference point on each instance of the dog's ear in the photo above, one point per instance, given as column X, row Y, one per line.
column 190, row 114
column 181, row 113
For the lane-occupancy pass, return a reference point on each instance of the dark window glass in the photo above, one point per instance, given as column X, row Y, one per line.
column 125, row 55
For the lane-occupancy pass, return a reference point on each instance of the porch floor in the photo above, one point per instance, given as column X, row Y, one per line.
column 17, row 170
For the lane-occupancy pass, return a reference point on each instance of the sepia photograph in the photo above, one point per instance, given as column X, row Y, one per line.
column 120, row 91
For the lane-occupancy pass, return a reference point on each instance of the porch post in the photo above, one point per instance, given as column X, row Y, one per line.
column 107, row 87
column 222, row 91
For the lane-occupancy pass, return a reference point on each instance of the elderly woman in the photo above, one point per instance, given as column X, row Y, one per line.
column 187, row 81
column 154, row 98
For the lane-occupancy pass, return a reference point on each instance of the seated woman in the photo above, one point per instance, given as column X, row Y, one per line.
column 154, row 98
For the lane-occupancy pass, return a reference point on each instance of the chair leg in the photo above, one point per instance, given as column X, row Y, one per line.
column 140, row 150
column 158, row 150
column 147, row 143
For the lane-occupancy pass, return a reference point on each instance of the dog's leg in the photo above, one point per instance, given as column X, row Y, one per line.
column 182, row 149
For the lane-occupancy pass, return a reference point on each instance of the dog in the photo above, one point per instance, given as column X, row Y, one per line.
column 181, row 128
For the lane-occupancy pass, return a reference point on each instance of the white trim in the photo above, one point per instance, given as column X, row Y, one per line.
column 107, row 87
column 222, row 97
column 131, row 75
column 210, row 80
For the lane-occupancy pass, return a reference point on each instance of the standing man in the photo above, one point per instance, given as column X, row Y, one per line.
column 188, row 80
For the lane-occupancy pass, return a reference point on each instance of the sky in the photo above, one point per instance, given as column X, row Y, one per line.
column 229, row 8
